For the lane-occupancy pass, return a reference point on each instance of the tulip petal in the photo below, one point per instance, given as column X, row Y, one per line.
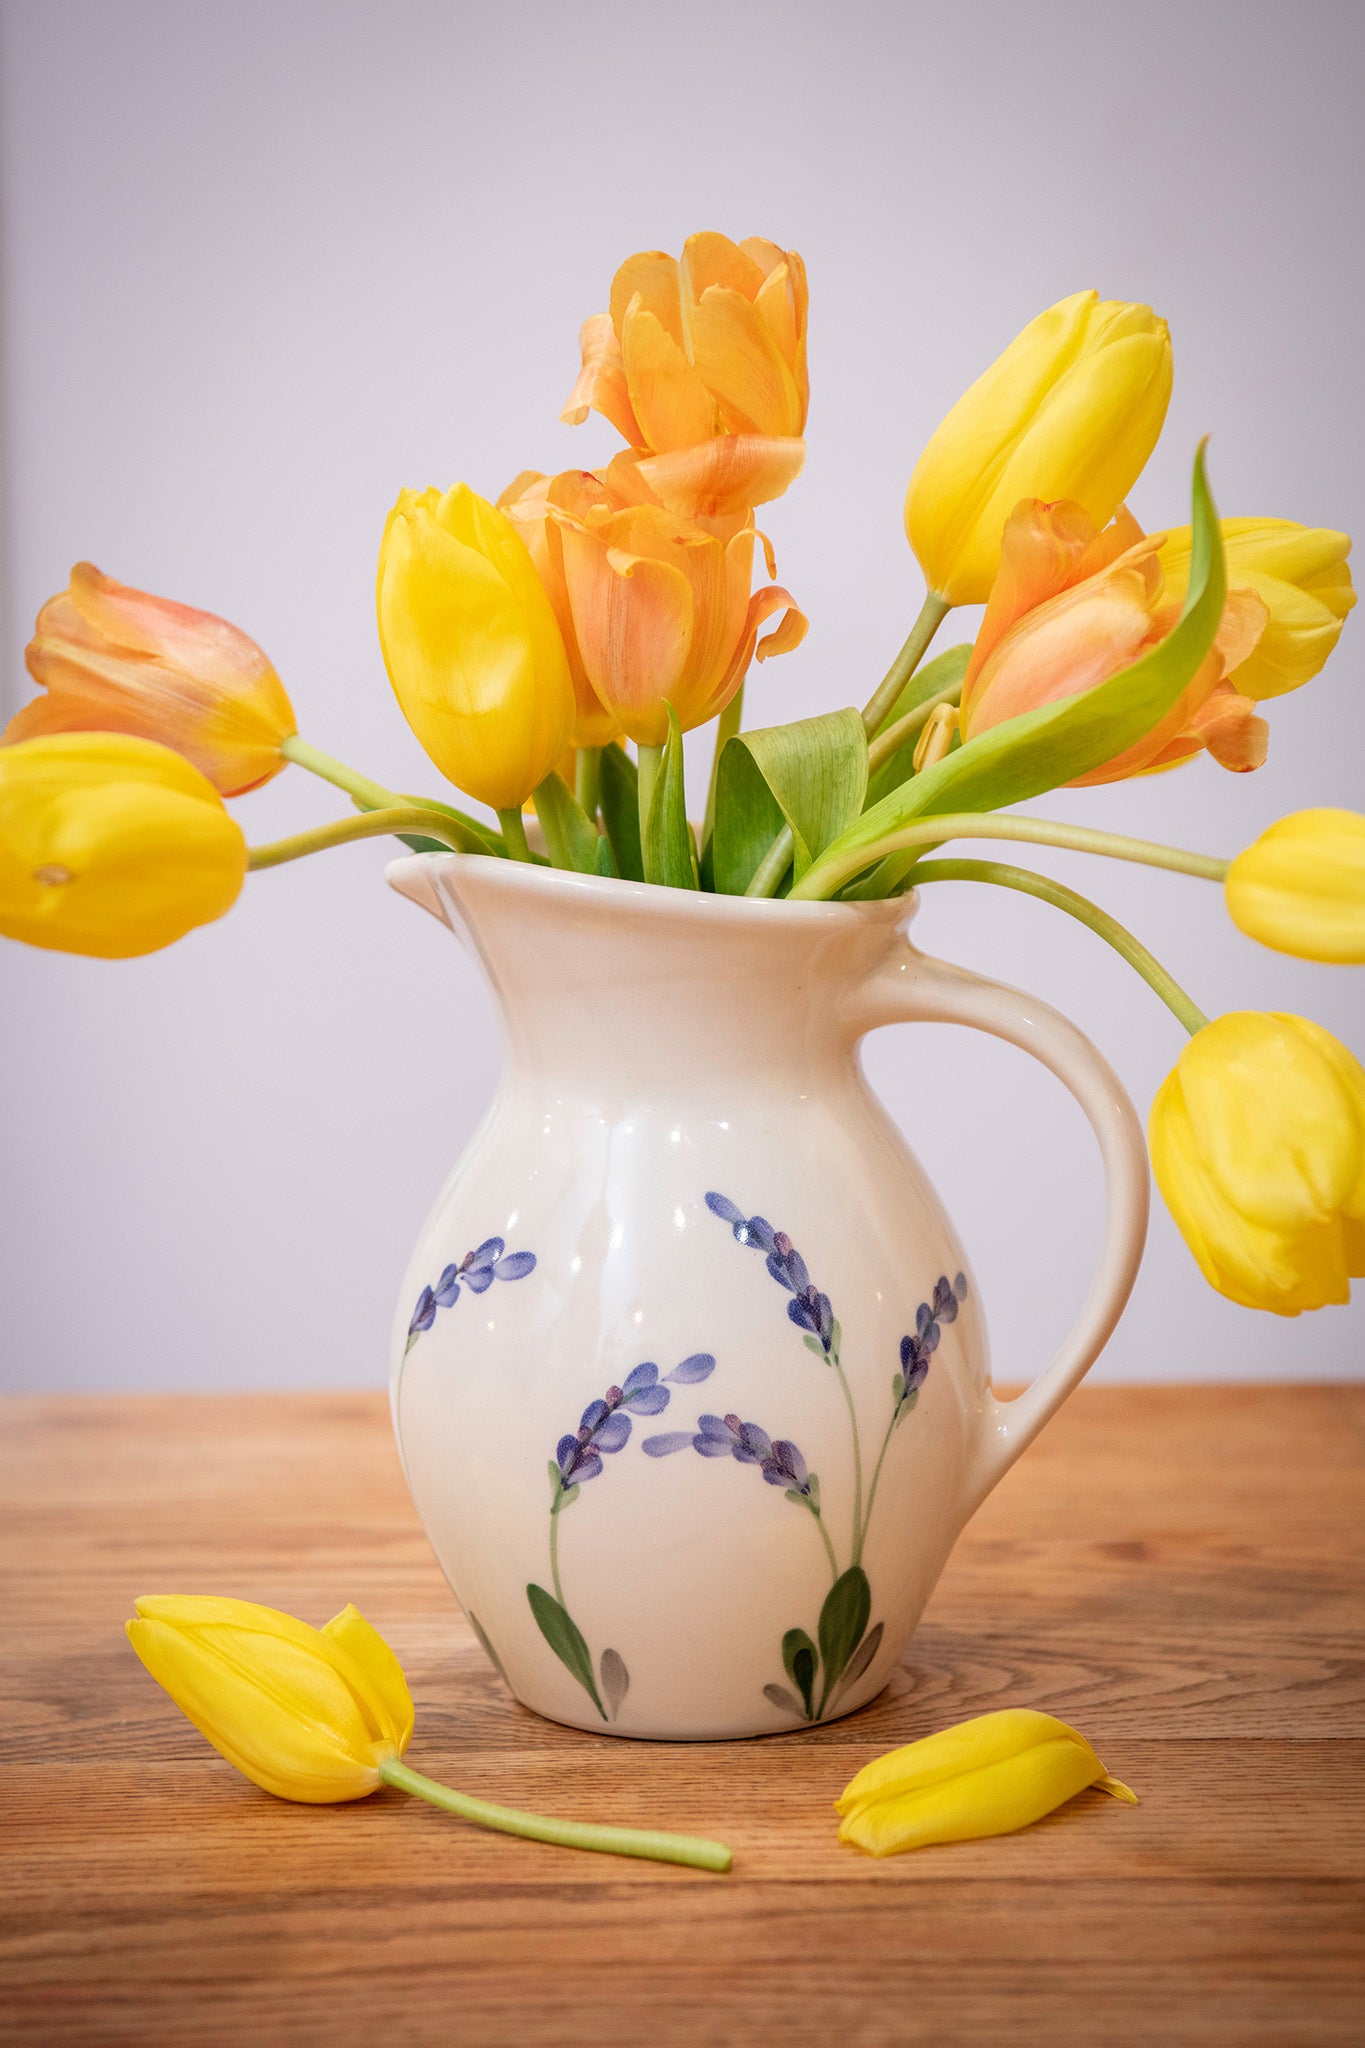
column 737, row 359
column 368, row 1650
column 712, row 259
column 652, row 278
column 601, row 384
column 951, row 1752
column 633, row 617
column 1300, row 887
column 996, row 1800
column 725, row 474
column 669, row 399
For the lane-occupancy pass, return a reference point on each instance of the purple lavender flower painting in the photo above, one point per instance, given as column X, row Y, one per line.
column 604, row 1429
column 820, row 1669
column 477, row 1271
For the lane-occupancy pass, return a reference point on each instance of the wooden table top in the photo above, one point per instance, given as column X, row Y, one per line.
column 1176, row 1570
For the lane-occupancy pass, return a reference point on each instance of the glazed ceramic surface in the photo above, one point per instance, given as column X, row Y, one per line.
column 689, row 1370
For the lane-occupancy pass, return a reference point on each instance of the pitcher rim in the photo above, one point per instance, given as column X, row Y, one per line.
column 697, row 904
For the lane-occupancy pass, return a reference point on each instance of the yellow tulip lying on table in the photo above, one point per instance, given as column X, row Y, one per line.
column 989, row 1776
column 322, row 1715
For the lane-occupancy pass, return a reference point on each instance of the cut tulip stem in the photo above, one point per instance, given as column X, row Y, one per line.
column 1087, row 913
column 587, row 779
column 932, row 613
column 693, row 1850
column 372, row 795
column 837, row 866
column 514, row 832
column 727, row 725
column 414, row 818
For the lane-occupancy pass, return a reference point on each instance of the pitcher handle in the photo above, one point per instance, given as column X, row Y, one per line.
column 911, row 988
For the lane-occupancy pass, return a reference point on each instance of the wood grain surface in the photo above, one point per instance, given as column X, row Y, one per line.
column 1177, row 1570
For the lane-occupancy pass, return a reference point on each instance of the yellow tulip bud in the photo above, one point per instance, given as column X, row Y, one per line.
column 112, row 659
column 1300, row 572
column 475, row 657
column 989, row 1776
column 110, row 845
column 1257, row 1139
column 1300, row 887
column 1072, row 409
column 305, row 1713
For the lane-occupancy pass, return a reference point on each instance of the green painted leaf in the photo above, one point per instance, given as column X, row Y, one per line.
column 799, row 1657
column 844, row 1616
column 944, row 672
column 620, row 799
column 570, row 836
column 670, row 852
column 859, row 1661
column 814, row 1344
column 1052, row 745
column 565, row 1638
column 815, row 771
column 556, row 1481
column 615, row 1679
column 780, row 1697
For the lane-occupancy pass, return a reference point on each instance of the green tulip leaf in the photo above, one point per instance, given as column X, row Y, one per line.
column 812, row 775
column 620, row 798
column 565, row 1638
column 670, row 852
column 571, row 838
column 1054, row 744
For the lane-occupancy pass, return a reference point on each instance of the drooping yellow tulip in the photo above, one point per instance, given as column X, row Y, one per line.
column 1257, row 1139
column 306, row 1713
column 701, row 367
column 1300, row 887
column 110, row 845
column 1301, row 574
column 989, row 1776
column 1072, row 409
column 112, row 659
column 471, row 644
column 1072, row 606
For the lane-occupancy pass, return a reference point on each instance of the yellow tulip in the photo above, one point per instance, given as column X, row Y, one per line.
column 701, row 367
column 1072, row 409
column 324, row 1714
column 1300, row 887
column 1257, row 1139
column 110, row 845
column 473, row 651
column 989, row 1776
column 113, row 659
column 306, row 1713
column 1300, row 572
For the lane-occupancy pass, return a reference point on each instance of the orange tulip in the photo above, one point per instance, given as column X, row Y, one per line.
column 1073, row 606
column 701, row 367
column 118, row 660
column 529, row 502
column 660, row 606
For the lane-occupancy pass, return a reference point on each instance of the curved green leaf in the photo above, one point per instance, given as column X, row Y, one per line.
column 620, row 798
column 812, row 774
column 571, row 838
column 843, row 1618
column 565, row 1638
column 670, row 852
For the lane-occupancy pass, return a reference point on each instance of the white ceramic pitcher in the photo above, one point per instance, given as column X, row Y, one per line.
column 689, row 1375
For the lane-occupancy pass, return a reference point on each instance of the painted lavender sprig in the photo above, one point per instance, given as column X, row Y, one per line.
column 917, row 1348
column 809, row 1309
column 779, row 1461
column 477, row 1271
column 604, row 1428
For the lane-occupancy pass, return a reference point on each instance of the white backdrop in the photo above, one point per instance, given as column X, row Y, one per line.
column 265, row 264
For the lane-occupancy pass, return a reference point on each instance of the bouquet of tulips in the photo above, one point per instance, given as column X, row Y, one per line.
column 533, row 642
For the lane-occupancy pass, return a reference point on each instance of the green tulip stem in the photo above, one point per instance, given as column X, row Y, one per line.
column 932, row 613
column 371, row 795
column 649, row 760
column 587, row 779
column 889, row 742
column 1087, row 913
column 727, row 725
column 835, row 867
column 514, row 832
column 565, row 1834
column 415, row 818
column 767, row 877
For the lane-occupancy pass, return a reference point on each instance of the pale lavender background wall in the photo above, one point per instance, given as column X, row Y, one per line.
column 263, row 264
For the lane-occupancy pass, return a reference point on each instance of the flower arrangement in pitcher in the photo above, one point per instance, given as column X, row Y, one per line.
column 551, row 648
